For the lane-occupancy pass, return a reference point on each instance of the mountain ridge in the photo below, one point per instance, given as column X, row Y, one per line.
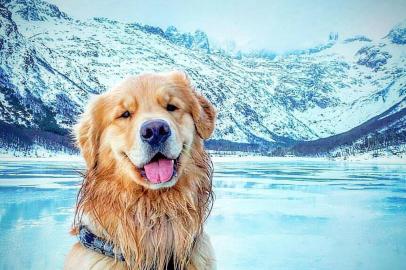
column 55, row 63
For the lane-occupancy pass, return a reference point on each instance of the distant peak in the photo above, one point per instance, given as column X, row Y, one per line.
column 359, row 38
column 333, row 36
column 35, row 10
column 196, row 40
column 105, row 20
column 398, row 33
column 171, row 29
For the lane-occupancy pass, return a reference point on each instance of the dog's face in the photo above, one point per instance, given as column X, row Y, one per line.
column 145, row 127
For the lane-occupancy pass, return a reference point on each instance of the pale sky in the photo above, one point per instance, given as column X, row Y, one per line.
column 279, row 25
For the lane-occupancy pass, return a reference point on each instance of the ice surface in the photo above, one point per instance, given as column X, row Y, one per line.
column 278, row 214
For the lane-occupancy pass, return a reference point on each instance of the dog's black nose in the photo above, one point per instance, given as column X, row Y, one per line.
column 155, row 132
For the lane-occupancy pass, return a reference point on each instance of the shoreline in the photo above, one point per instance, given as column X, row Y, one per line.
column 235, row 158
column 355, row 159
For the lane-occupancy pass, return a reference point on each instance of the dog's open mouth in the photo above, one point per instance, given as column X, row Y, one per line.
column 160, row 169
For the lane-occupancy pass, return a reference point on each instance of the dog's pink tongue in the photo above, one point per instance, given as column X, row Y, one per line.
column 159, row 171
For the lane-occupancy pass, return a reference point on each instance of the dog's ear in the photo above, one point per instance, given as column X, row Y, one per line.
column 88, row 130
column 204, row 116
column 203, row 112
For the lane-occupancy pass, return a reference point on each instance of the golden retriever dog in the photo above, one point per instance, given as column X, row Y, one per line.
column 147, row 190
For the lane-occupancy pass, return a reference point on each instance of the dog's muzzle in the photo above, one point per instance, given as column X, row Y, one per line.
column 160, row 151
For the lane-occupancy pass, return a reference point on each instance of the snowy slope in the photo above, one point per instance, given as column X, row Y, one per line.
column 55, row 63
column 382, row 132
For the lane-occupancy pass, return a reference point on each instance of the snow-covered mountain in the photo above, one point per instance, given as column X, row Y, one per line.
column 52, row 63
column 382, row 134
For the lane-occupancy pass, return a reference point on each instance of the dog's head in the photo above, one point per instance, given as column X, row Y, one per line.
column 145, row 128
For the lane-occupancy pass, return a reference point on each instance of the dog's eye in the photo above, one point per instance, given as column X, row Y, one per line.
column 171, row 108
column 126, row 114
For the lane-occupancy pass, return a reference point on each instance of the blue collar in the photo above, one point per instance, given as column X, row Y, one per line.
column 93, row 242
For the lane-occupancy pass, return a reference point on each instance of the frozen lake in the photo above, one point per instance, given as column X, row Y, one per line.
column 267, row 215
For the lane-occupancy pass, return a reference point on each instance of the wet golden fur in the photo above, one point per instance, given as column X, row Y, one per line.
column 147, row 226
